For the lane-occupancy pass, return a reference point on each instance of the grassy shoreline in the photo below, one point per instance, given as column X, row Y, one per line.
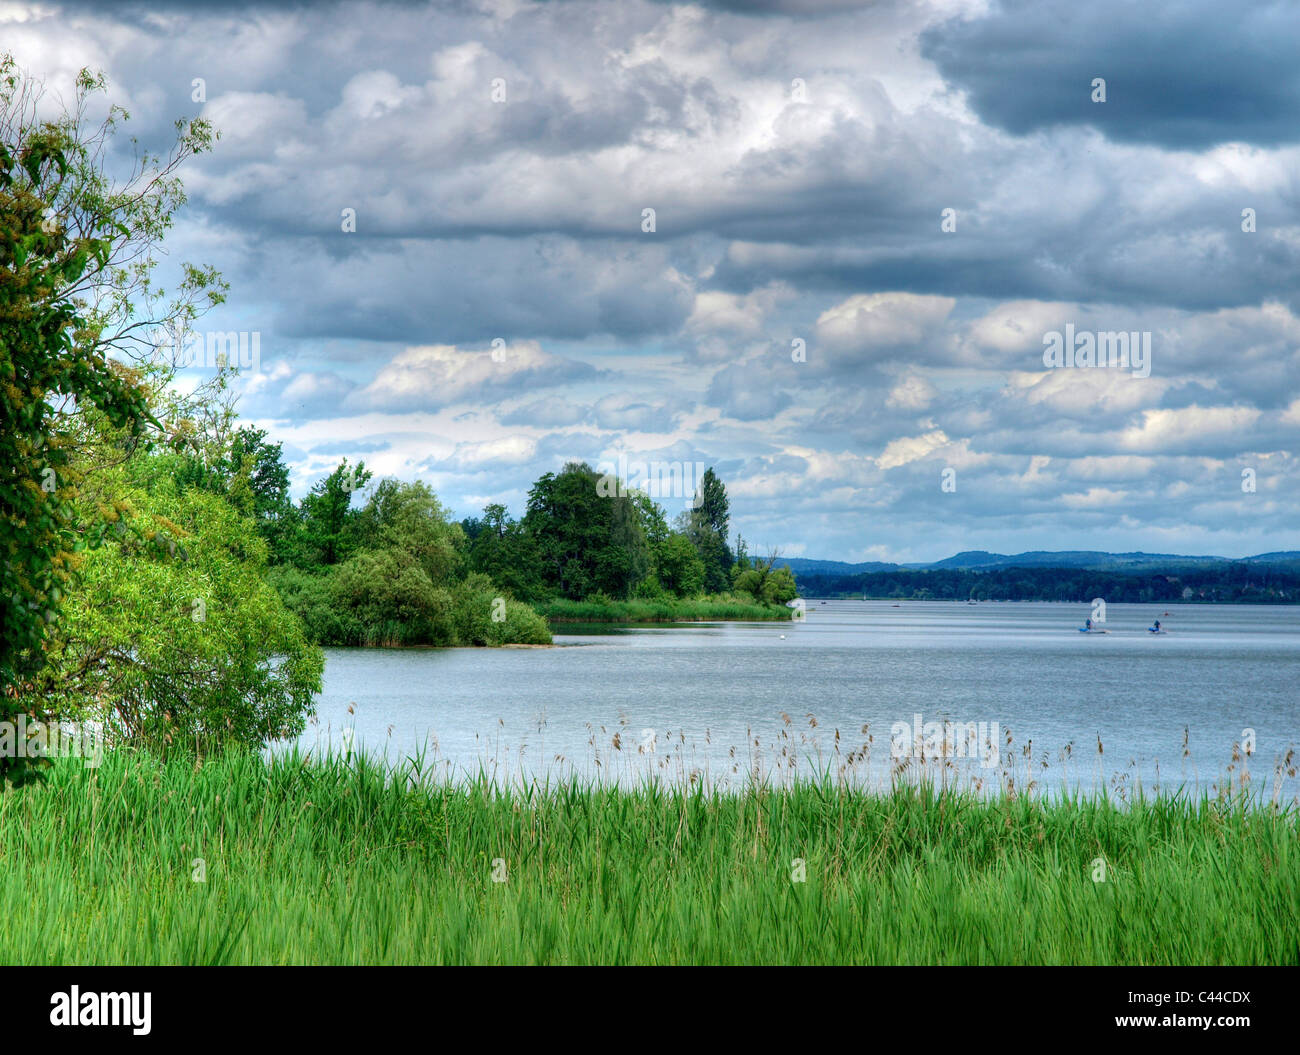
column 329, row 862
column 662, row 611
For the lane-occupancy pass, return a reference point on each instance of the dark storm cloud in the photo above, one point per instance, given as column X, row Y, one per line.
column 1184, row 76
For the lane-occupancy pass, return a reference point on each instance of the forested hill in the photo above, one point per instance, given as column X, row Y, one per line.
column 1095, row 560
column 1224, row 583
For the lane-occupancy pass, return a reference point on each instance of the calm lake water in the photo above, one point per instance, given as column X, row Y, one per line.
column 706, row 701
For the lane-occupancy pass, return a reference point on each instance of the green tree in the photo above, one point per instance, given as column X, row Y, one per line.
column 182, row 644
column 502, row 550
column 77, row 253
column 327, row 512
column 387, row 598
column 261, row 466
column 707, row 525
column 41, row 362
column 409, row 517
column 767, row 583
column 587, row 539
column 679, row 568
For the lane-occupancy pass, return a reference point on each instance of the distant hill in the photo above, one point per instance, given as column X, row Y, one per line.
column 1070, row 559
column 1288, row 558
column 805, row 566
column 1070, row 575
column 1082, row 559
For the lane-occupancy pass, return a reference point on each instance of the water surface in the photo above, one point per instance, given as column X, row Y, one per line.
column 706, row 700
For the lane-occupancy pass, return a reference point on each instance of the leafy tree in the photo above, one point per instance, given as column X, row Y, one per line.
column 484, row 616
column 654, row 523
column 76, row 262
column 185, row 645
column 41, row 363
column 586, row 542
column 679, row 568
column 128, row 213
column 409, row 517
column 388, row 598
column 404, row 579
column 242, row 465
column 766, row 583
column 261, row 465
column 506, row 553
column 707, row 526
column 327, row 511
column 278, row 519
column 675, row 567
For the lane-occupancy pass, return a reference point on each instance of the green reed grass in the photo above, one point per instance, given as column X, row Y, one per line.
column 341, row 861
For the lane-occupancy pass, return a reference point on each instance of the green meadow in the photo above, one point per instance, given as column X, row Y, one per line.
column 240, row 860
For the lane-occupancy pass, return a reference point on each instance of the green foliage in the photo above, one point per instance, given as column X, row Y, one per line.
column 707, row 527
column 311, row 597
column 764, row 583
column 407, row 574
column 77, row 253
column 327, row 513
column 129, row 212
column 182, row 644
column 410, row 518
column 588, row 538
column 588, row 544
column 484, row 616
column 502, row 550
column 40, row 361
column 405, row 581
column 678, row 567
column 389, row 599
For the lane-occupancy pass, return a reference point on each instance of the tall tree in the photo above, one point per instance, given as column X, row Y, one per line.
column 327, row 510
column 43, row 364
column 502, row 550
column 77, row 253
column 708, row 523
column 409, row 517
column 587, row 541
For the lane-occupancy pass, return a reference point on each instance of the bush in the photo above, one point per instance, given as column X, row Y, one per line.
column 173, row 635
column 393, row 600
column 486, row 616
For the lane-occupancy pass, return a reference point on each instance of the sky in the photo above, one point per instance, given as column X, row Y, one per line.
column 869, row 220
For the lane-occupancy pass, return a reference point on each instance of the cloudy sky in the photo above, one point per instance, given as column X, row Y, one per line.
column 806, row 315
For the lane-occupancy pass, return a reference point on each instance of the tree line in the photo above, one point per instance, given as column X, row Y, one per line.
column 385, row 562
column 1217, row 584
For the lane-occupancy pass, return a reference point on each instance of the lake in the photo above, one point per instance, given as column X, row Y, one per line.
column 720, row 702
